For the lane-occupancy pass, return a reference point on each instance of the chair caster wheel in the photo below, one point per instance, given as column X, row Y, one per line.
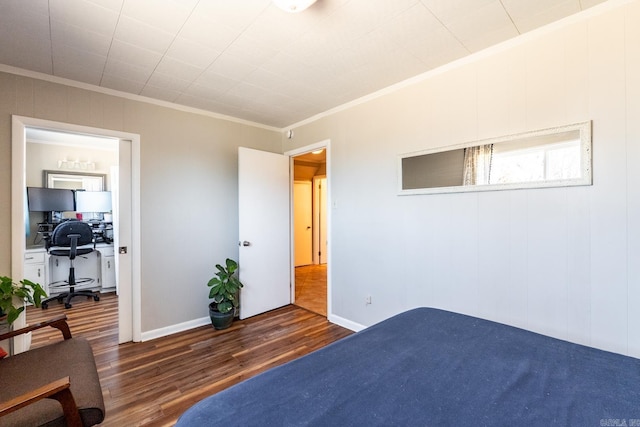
column 44, row 305
column 67, row 305
column 96, row 298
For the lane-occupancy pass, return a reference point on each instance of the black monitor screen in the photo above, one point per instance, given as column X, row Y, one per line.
column 50, row 199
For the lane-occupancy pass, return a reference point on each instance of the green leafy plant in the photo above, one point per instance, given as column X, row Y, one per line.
column 26, row 290
column 225, row 287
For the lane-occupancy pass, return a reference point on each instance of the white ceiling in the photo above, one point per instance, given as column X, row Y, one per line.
column 250, row 60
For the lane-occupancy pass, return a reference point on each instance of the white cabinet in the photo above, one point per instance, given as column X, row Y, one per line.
column 35, row 268
column 51, row 271
column 108, row 267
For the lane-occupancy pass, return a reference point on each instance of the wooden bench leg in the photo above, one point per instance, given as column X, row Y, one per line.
column 58, row 390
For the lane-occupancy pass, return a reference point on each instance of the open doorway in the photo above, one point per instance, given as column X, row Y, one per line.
column 126, row 238
column 309, row 205
column 87, row 167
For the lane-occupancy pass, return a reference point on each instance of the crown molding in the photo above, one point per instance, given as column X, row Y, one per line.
column 133, row 97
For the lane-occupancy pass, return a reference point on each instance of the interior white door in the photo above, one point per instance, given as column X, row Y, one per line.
column 302, row 222
column 122, row 223
column 263, row 217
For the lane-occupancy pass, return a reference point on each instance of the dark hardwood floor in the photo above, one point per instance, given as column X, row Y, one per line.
column 153, row 382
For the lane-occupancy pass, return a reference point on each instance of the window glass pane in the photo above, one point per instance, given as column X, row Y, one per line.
column 543, row 163
column 519, row 166
column 563, row 162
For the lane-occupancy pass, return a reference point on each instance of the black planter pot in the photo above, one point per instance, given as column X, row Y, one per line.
column 220, row 320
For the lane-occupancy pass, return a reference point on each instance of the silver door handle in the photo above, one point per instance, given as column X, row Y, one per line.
column 245, row 243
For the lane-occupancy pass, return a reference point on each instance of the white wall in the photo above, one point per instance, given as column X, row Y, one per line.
column 563, row 262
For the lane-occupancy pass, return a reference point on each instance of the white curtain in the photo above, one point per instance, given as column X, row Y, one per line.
column 477, row 165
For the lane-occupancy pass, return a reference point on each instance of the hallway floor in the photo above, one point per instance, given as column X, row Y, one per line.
column 311, row 288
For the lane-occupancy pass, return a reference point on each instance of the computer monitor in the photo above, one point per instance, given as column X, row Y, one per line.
column 93, row 201
column 50, row 199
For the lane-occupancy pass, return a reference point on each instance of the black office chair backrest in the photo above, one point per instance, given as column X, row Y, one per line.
column 60, row 235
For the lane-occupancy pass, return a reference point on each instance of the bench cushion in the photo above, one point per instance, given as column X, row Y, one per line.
column 32, row 369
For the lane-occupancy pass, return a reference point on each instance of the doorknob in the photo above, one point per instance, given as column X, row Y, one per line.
column 245, row 243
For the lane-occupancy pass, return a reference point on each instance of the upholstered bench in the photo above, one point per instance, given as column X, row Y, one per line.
column 53, row 385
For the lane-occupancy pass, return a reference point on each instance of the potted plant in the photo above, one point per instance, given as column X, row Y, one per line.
column 26, row 290
column 225, row 289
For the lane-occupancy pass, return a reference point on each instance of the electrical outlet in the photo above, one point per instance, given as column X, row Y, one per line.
column 367, row 300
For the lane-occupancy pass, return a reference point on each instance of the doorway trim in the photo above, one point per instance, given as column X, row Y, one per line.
column 319, row 226
column 129, row 308
column 326, row 145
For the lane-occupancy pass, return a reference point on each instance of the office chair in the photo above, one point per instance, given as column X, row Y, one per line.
column 71, row 238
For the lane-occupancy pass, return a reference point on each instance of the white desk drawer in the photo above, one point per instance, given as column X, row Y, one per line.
column 33, row 257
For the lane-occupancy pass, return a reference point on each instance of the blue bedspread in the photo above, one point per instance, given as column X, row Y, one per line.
column 428, row 367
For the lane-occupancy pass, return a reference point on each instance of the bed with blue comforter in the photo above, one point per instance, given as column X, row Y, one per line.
column 429, row 367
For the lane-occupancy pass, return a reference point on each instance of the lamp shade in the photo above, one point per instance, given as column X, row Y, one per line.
column 293, row 6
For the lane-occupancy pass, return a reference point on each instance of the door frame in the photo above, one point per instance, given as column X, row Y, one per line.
column 326, row 145
column 129, row 303
column 319, row 250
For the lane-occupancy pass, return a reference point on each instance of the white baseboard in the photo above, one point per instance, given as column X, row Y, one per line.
column 173, row 329
column 345, row 323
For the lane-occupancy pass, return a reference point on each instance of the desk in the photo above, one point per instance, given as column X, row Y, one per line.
column 45, row 269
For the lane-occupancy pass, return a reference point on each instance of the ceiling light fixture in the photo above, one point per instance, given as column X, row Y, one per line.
column 317, row 151
column 293, row 6
column 77, row 164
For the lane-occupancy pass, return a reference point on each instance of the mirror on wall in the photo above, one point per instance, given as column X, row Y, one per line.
column 74, row 180
column 555, row 157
